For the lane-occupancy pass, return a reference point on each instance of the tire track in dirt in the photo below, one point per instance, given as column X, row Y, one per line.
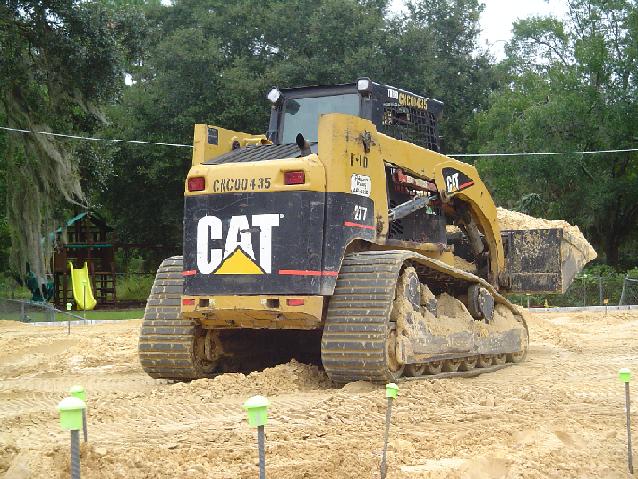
column 547, row 417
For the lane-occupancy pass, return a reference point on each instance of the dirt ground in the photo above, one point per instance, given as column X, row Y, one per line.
column 559, row 414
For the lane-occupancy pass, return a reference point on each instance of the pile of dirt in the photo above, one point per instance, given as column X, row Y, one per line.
column 292, row 377
column 464, row 265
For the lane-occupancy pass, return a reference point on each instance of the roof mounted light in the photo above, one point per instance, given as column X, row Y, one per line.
column 275, row 96
column 364, row 85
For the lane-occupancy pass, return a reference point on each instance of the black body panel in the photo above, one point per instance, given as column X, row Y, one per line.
column 292, row 237
column 421, row 226
column 348, row 217
column 276, row 243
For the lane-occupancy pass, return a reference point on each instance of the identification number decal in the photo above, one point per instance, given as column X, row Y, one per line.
column 360, row 213
column 228, row 185
column 360, row 185
column 358, row 160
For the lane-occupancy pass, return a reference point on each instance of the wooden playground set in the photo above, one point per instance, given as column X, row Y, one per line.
column 83, row 264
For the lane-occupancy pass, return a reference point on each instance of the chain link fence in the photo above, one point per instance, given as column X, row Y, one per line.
column 587, row 290
column 32, row 312
column 629, row 293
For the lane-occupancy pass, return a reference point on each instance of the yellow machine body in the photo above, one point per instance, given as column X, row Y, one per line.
column 347, row 146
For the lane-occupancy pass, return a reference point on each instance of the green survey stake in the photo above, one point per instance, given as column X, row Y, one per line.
column 391, row 391
column 257, row 409
column 79, row 392
column 70, row 410
column 625, row 376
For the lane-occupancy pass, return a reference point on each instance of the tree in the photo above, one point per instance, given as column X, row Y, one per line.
column 433, row 50
column 60, row 61
column 570, row 86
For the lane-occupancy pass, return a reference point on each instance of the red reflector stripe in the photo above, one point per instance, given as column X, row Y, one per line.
column 295, row 302
column 188, row 302
column 305, row 272
column 190, row 272
column 466, row 185
column 357, row 225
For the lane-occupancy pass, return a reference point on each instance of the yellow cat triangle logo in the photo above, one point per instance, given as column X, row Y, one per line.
column 239, row 263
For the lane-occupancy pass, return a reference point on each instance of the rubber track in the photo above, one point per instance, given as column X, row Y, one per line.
column 166, row 340
column 354, row 335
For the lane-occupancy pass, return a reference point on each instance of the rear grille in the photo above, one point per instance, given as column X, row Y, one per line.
column 256, row 153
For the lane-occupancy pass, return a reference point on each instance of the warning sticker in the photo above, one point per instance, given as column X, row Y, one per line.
column 360, row 185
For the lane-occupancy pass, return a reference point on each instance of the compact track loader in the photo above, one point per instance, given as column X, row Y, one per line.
column 329, row 239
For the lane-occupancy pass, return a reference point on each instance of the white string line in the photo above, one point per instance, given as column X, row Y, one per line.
column 89, row 138
column 459, row 155
column 547, row 153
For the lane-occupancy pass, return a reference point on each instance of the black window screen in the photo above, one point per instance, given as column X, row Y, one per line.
column 411, row 124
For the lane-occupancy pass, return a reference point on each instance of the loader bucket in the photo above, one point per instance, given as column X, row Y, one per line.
column 540, row 260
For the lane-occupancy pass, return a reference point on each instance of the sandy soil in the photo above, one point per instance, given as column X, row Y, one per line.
column 560, row 414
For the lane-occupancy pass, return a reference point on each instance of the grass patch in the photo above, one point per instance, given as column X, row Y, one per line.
column 115, row 314
column 38, row 315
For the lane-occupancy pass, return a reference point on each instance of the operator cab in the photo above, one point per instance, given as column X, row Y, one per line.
column 395, row 112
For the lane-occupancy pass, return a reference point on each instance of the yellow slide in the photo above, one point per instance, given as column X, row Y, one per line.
column 82, row 287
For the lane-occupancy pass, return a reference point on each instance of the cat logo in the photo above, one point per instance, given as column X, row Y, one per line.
column 452, row 183
column 238, row 255
column 456, row 180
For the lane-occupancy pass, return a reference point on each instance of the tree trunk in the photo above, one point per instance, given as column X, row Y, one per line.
column 612, row 245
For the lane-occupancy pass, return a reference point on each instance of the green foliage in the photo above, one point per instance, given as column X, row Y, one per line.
column 10, row 289
column 60, row 62
column 569, row 86
column 134, row 287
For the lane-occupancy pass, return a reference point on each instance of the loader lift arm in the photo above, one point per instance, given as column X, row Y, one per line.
column 460, row 188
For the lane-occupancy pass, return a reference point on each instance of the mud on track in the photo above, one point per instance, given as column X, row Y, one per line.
column 560, row 414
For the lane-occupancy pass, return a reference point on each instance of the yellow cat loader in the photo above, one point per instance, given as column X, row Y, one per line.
column 327, row 240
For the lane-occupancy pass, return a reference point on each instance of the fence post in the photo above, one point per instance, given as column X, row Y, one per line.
column 584, row 290
column 22, row 311
column 84, row 292
column 622, row 295
column 600, row 290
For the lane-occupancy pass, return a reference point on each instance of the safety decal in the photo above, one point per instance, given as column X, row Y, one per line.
column 238, row 256
column 360, row 185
